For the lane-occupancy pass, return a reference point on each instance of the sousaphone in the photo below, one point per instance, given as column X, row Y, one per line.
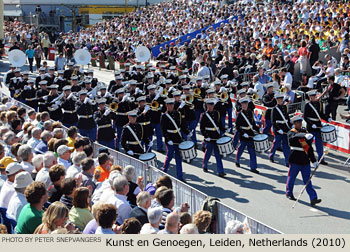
column 17, row 58
column 82, row 57
column 142, row 54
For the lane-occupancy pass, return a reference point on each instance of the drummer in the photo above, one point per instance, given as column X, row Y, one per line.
column 312, row 116
column 212, row 129
column 281, row 126
column 269, row 101
column 173, row 129
column 247, row 128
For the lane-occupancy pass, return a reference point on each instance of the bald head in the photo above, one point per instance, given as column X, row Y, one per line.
column 172, row 222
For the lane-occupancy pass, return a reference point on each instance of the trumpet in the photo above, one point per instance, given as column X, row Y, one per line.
column 197, row 92
column 113, row 106
column 223, row 96
column 189, row 99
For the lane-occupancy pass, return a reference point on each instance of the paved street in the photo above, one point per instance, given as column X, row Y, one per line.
column 263, row 196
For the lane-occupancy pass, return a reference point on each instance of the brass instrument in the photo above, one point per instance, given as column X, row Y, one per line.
column 197, row 92
column 164, row 93
column 255, row 96
column 18, row 95
column 223, row 96
column 154, row 106
column 189, row 99
column 113, row 106
column 283, row 89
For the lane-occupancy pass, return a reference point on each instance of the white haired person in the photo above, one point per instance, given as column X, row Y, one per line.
column 134, row 188
column 155, row 218
column 189, row 228
column 234, row 227
column 43, row 175
column 25, row 153
column 75, row 169
column 143, row 201
column 38, row 162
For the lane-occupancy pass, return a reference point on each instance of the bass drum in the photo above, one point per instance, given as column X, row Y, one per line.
column 187, row 151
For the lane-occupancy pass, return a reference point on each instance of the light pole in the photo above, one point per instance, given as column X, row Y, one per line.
column 1, row 19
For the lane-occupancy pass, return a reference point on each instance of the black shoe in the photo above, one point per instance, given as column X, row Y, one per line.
column 323, row 162
column 238, row 165
column 315, row 201
column 222, row 174
column 205, row 169
column 272, row 160
column 291, row 197
column 255, row 171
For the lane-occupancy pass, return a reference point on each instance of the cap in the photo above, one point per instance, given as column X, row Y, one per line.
column 74, row 77
column 5, row 161
column 101, row 101
column 206, row 77
column 133, row 82
column 42, row 69
column 43, row 82
column 60, row 72
column 151, row 87
column 210, row 101
column 150, row 75
column 62, row 149
column 31, row 81
column 244, row 99
column 132, row 113
column 186, row 87
column 210, row 91
column 312, row 92
column 141, row 98
column 13, row 167
column 270, row 84
column 51, row 68
column 22, row 180
column 242, row 91
column 279, row 95
column 172, row 68
column 122, row 70
column 199, row 78
column 244, row 84
column 67, row 87
column 26, row 73
column 120, row 90
column 70, row 64
column 296, row 118
column 119, row 77
column 170, row 101
column 168, row 81
column 17, row 70
column 224, row 76
column 53, row 86
column 177, row 93
column 217, row 82
column 103, row 150
column 182, row 77
column 82, row 92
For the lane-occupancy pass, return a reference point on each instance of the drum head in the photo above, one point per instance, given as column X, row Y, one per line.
column 147, row 156
column 223, row 140
column 328, row 128
column 186, row 145
column 260, row 137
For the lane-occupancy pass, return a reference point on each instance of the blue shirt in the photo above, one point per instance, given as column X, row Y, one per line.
column 30, row 53
column 41, row 148
column 264, row 79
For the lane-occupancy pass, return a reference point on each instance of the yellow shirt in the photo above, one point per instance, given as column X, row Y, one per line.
column 71, row 142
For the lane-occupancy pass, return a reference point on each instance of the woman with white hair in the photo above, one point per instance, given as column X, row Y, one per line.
column 38, row 163
column 234, row 227
column 155, row 218
column 75, row 169
column 25, row 153
column 134, row 188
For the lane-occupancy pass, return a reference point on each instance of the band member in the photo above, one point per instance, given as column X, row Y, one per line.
column 85, row 111
column 269, row 101
column 114, row 85
column 50, row 76
column 133, row 135
column 90, row 74
column 41, row 77
column 281, row 126
column 247, row 128
column 9, row 74
column 69, row 100
column 299, row 160
column 105, row 130
column 144, row 119
column 75, row 87
column 15, row 84
column 53, row 103
column 198, row 102
column 122, row 114
column 41, row 96
column 220, row 105
column 68, row 72
column 312, row 116
column 21, row 85
column 59, row 80
column 29, row 94
column 155, row 114
column 228, row 104
column 188, row 111
column 211, row 129
column 173, row 128
column 102, row 93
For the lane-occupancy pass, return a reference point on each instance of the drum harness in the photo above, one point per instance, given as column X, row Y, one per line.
column 284, row 119
column 249, row 124
column 135, row 136
column 174, row 123
column 212, row 121
column 313, row 108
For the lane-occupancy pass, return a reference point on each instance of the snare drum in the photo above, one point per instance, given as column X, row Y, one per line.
column 328, row 134
column 261, row 142
column 187, row 151
column 225, row 146
column 149, row 158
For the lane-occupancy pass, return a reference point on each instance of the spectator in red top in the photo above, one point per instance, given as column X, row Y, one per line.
column 303, row 52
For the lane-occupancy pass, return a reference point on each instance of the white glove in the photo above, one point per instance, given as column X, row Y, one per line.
column 146, row 108
column 130, row 152
column 55, row 106
column 150, row 144
column 106, row 113
column 308, row 136
column 182, row 104
column 108, row 95
column 17, row 91
column 42, row 76
column 189, row 135
column 171, row 89
column 86, row 100
column 45, row 98
column 245, row 135
column 222, row 89
column 137, row 90
column 329, row 119
column 58, row 103
column 315, row 164
column 204, row 85
column 280, row 131
column 127, row 95
column 70, row 96
column 170, row 143
column 314, row 126
column 157, row 96
column 30, row 87
column 207, row 139
column 124, row 98
column 228, row 130
column 323, row 124
column 160, row 90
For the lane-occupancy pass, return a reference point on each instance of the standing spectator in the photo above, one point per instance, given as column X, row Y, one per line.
column 30, row 56
column 45, row 43
column 80, row 213
column 60, row 62
column 314, row 50
column 38, row 54
column 303, row 52
column 31, row 215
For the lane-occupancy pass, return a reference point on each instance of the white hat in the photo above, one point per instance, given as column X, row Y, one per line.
column 13, row 168
column 132, row 113
column 296, row 118
column 244, row 99
column 312, row 92
column 22, row 180
column 279, row 95
column 62, row 149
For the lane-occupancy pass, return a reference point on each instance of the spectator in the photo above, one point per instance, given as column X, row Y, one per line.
column 80, row 214
column 50, row 160
column 106, row 215
column 143, row 203
column 25, row 153
column 31, row 215
column 38, row 54
column 64, row 155
column 171, row 224
column 155, row 218
column 92, row 226
column 75, row 169
column 57, row 173
column 87, row 174
column 4, row 162
column 38, row 162
column 42, row 146
column 68, row 187
column 202, row 220
column 234, row 227
column 105, row 190
column 134, row 189
column 60, row 62
column 8, row 190
column 189, row 229
column 167, row 200
column 131, row 226
column 104, row 166
column 30, row 55
column 72, row 133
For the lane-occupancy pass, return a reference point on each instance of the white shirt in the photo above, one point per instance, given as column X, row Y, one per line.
column 148, row 229
column 6, row 193
column 43, row 176
column 33, row 142
column 203, row 71
column 72, row 170
column 288, row 78
column 259, row 89
column 122, row 205
column 63, row 162
column 107, row 193
column 17, row 202
column 28, row 166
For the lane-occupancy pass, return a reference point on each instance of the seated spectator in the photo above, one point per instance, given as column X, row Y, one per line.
column 75, row 169
column 14, row 151
column 189, row 229
column 202, row 220
column 121, row 187
column 131, row 226
column 105, row 190
column 72, row 133
column 185, row 218
column 171, row 224
column 106, row 215
column 7, row 191
column 92, row 226
column 63, row 153
column 234, row 227
column 68, row 186
column 55, row 217
column 80, row 214
column 134, row 189
column 58, row 133
column 38, row 162
column 89, row 151
column 104, row 166
column 25, row 153
column 18, row 200
column 87, row 174
column 156, row 202
column 290, row 95
column 31, row 215
column 9, row 139
column 4, row 162
column 57, row 173
column 42, row 147
column 155, row 218
column 50, row 160
column 167, row 200
column 143, row 201
column 3, row 229
column 164, row 181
